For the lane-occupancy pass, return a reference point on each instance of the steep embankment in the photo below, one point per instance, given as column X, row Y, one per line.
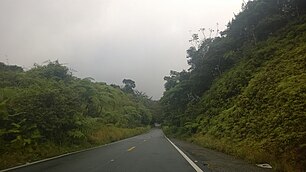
column 257, row 109
column 245, row 91
column 46, row 111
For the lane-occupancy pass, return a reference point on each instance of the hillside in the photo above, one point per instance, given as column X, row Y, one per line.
column 245, row 91
column 46, row 111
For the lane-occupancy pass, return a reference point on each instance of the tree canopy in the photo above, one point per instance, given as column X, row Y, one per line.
column 239, row 88
column 47, row 104
column 129, row 85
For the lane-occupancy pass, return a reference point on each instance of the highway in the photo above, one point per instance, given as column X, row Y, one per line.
column 144, row 153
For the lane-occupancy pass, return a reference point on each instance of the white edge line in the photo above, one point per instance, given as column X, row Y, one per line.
column 196, row 168
column 70, row 153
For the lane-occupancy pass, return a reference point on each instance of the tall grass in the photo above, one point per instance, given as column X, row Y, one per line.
column 99, row 136
column 250, row 151
column 110, row 133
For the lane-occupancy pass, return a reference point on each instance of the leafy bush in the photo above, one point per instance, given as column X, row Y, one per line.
column 48, row 105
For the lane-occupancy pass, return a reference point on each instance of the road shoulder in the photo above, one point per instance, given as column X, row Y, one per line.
column 213, row 161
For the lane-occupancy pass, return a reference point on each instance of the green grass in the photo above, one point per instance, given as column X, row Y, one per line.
column 251, row 151
column 103, row 135
column 256, row 110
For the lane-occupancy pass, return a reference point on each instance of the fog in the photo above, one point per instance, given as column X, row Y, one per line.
column 109, row 40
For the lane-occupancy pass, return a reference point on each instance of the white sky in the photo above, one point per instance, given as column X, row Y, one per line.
column 109, row 40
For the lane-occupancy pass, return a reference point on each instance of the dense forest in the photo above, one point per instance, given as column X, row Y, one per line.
column 245, row 90
column 47, row 111
column 244, row 94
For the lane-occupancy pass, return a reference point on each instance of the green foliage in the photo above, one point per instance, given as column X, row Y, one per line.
column 48, row 105
column 99, row 134
column 129, row 85
column 53, row 70
column 245, row 91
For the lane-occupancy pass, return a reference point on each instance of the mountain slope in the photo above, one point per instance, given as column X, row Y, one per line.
column 261, row 110
column 245, row 91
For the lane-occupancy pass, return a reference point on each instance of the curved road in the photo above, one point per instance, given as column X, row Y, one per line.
column 146, row 152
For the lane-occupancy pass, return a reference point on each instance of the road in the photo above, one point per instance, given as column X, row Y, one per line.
column 215, row 161
column 146, row 152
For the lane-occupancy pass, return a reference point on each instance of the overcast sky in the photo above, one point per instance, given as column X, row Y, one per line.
column 109, row 40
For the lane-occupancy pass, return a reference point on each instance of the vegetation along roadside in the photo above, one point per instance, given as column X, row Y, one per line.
column 46, row 111
column 245, row 91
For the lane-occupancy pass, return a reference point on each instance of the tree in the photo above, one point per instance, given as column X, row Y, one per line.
column 129, row 85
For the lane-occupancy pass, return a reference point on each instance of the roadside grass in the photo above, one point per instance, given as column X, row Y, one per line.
column 110, row 134
column 249, row 151
column 103, row 135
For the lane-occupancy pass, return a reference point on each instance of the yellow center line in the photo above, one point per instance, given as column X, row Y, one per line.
column 131, row 148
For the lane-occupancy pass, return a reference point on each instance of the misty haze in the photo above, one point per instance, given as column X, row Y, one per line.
column 108, row 40
column 152, row 85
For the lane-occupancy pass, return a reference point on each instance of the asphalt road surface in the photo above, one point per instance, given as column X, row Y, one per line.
column 143, row 153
